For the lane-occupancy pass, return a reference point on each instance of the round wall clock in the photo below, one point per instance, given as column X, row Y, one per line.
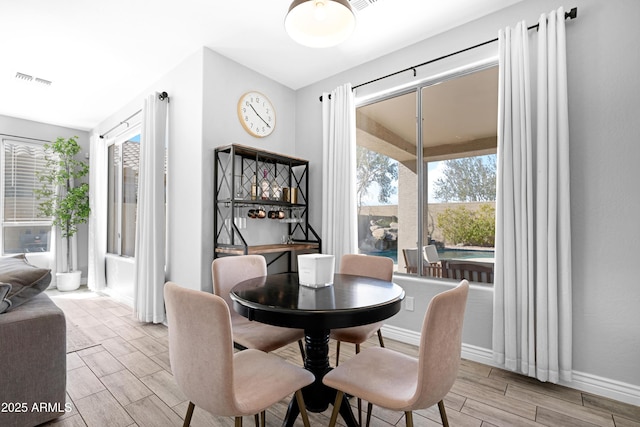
column 256, row 114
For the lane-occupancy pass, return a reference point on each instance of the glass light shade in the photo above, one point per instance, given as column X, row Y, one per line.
column 320, row 23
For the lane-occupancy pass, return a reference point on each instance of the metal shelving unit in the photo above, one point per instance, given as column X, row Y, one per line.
column 235, row 168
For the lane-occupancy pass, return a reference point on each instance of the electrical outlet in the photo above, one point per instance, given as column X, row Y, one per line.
column 408, row 303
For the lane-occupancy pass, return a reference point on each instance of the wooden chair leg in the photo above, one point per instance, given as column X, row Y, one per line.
column 187, row 417
column 357, row 348
column 263, row 418
column 369, row 411
column 256, row 418
column 409, row 418
column 443, row 414
column 336, row 408
column 303, row 408
column 238, row 422
column 359, row 411
column 337, row 352
column 301, row 349
column 380, row 338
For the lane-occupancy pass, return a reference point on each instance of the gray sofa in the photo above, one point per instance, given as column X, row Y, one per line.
column 32, row 350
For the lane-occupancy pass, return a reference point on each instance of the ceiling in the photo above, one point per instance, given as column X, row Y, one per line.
column 99, row 55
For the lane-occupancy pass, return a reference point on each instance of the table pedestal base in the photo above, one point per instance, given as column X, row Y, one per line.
column 318, row 396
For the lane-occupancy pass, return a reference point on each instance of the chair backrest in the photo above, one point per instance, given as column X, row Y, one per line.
column 410, row 260
column 378, row 267
column 201, row 348
column 227, row 272
column 472, row 271
column 431, row 254
column 440, row 345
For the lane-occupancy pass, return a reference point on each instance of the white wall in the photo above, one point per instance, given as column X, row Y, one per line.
column 603, row 59
column 29, row 129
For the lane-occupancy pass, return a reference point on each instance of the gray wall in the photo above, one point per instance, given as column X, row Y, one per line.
column 30, row 129
column 603, row 59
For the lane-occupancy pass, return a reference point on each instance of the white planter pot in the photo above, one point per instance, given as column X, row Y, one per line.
column 68, row 281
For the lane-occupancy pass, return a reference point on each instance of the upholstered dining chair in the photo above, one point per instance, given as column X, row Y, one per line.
column 398, row 382
column 208, row 371
column 377, row 267
column 228, row 272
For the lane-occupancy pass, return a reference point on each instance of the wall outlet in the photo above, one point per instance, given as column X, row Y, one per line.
column 408, row 303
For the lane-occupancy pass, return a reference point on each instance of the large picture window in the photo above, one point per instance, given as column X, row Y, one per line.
column 427, row 191
column 24, row 229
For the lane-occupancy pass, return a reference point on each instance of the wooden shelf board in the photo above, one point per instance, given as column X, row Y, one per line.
column 268, row 249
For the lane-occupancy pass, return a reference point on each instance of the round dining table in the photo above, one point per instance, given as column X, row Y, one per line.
column 350, row 301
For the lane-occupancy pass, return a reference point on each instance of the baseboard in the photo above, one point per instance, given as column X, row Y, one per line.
column 613, row 389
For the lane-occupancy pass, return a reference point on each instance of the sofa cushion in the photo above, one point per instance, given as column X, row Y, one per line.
column 4, row 302
column 26, row 280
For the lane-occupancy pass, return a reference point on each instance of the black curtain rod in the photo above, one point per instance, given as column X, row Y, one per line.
column 572, row 14
column 162, row 96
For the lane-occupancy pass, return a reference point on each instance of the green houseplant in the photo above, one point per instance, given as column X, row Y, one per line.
column 64, row 198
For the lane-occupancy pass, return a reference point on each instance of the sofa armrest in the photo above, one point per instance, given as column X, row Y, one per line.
column 33, row 357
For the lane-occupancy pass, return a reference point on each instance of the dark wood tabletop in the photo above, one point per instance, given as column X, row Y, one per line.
column 351, row 301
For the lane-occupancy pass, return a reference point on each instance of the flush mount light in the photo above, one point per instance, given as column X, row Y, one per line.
column 320, row 23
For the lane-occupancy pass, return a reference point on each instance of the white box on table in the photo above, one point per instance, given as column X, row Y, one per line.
column 316, row 270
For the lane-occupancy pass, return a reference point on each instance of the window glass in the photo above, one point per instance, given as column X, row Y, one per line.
column 123, row 163
column 24, row 229
column 437, row 190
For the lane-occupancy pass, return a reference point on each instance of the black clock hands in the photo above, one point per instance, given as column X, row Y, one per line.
column 254, row 110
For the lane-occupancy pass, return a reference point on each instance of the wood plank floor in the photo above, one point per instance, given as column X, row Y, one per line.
column 118, row 374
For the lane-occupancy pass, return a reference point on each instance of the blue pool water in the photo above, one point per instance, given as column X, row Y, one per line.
column 447, row 253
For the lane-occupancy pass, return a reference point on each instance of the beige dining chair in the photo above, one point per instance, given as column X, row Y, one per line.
column 228, row 272
column 208, row 371
column 398, row 382
column 377, row 267
column 433, row 265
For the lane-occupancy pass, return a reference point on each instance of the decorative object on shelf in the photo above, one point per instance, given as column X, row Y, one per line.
column 290, row 194
column 256, row 114
column 65, row 199
column 320, row 23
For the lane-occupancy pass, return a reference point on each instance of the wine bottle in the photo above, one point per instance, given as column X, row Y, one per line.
column 276, row 191
column 264, row 186
column 254, row 188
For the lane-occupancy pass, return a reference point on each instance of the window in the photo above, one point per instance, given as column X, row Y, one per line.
column 124, row 160
column 24, row 229
column 448, row 197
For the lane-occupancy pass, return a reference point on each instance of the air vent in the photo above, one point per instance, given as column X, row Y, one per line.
column 25, row 77
column 359, row 5
column 28, row 78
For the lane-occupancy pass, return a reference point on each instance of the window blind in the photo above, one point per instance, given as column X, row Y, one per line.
column 22, row 162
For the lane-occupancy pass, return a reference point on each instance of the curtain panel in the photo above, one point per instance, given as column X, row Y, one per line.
column 532, row 290
column 98, row 188
column 339, row 213
column 150, row 241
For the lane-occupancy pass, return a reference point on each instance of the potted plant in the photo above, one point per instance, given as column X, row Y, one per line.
column 64, row 199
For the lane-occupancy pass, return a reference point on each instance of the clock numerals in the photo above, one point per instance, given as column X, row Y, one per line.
column 256, row 114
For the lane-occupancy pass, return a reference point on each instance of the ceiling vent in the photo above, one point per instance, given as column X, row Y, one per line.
column 25, row 77
column 360, row 5
column 43, row 81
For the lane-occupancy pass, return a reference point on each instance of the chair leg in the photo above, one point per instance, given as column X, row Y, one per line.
column 380, row 338
column 337, row 353
column 238, row 422
column 187, row 418
column 357, row 348
column 409, row 418
column 336, row 408
column 369, row 411
column 301, row 349
column 302, row 407
column 443, row 414
column 263, row 418
column 359, row 411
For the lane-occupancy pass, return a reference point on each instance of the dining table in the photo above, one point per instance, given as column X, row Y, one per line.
column 280, row 300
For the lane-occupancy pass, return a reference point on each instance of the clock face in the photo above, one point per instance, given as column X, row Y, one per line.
column 256, row 114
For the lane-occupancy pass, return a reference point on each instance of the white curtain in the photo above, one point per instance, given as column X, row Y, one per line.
column 339, row 221
column 150, row 228
column 98, row 216
column 532, row 290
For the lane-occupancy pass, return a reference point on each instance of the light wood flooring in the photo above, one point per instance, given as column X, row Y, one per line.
column 118, row 374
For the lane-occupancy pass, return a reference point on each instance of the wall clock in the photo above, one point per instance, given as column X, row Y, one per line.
column 256, row 114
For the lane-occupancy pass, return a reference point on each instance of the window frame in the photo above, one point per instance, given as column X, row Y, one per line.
column 417, row 87
column 4, row 224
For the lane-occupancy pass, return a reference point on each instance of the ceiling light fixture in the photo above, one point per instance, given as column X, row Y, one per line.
column 320, row 23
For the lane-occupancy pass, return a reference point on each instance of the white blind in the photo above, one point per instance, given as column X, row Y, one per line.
column 22, row 162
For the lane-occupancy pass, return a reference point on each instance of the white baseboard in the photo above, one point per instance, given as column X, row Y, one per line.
column 613, row 389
